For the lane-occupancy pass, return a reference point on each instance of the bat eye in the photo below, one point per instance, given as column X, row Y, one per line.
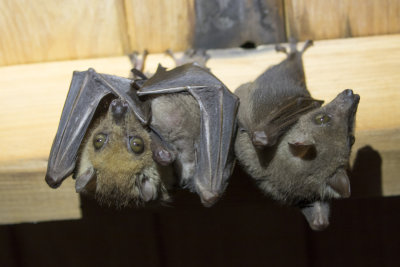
column 99, row 140
column 136, row 144
column 321, row 119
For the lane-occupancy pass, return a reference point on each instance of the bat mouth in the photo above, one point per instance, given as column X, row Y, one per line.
column 355, row 98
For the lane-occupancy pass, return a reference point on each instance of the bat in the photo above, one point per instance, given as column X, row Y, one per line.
column 177, row 114
column 195, row 114
column 295, row 149
column 101, row 126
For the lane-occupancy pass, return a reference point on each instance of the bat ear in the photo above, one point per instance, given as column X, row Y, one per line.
column 84, row 179
column 317, row 215
column 340, row 183
column 261, row 138
column 303, row 150
column 148, row 190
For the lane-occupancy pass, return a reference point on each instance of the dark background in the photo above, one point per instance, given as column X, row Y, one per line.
column 245, row 228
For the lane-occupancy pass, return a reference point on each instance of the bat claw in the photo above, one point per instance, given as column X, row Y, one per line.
column 208, row 199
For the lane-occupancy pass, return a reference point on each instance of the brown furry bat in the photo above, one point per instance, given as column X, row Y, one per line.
column 296, row 150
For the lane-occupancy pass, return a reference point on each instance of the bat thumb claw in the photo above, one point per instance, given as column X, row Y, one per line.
column 208, row 199
column 52, row 182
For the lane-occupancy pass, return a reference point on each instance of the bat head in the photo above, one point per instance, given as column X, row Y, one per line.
column 116, row 162
column 314, row 154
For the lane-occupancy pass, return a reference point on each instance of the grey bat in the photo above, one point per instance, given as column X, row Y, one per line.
column 296, row 150
column 212, row 150
column 196, row 110
column 178, row 116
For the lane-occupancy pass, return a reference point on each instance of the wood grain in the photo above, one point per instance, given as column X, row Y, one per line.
column 158, row 25
column 45, row 30
column 32, row 97
column 25, row 197
column 314, row 19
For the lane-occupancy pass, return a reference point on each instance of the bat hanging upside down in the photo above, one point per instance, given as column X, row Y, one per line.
column 296, row 150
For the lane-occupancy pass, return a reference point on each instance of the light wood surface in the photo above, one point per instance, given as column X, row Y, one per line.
column 45, row 30
column 315, row 19
column 158, row 25
column 32, row 97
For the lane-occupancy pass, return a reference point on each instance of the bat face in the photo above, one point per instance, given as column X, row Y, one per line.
column 308, row 163
column 116, row 162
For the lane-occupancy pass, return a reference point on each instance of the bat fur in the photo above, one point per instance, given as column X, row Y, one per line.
column 177, row 116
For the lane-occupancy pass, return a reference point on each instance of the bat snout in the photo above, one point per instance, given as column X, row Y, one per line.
column 118, row 108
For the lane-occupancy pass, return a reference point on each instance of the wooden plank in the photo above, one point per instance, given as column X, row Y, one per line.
column 32, row 96
column 314, row 19
column 45, row 30
column 162, row 24
column 25, row 197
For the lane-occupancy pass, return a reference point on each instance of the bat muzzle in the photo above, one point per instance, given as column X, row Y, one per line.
column 118, row 108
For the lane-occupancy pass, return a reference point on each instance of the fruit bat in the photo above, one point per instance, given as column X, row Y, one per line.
column 196, row 115
column 102, row 141
column 95, row 149
column 296, row 149
column 178, row 116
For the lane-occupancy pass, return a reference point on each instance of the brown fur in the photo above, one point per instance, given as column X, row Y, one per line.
column 119, row 172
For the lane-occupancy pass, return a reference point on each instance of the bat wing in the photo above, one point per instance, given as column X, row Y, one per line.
column 282, row 118
column 86, row 91
column 218, row 109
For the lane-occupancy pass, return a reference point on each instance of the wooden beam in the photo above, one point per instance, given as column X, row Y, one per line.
column 32, row 97
column 45, row 30
column 158, row 25
column 316, row 20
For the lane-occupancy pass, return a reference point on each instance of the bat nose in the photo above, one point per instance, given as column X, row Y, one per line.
column 348, row 92
column 119, row 108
